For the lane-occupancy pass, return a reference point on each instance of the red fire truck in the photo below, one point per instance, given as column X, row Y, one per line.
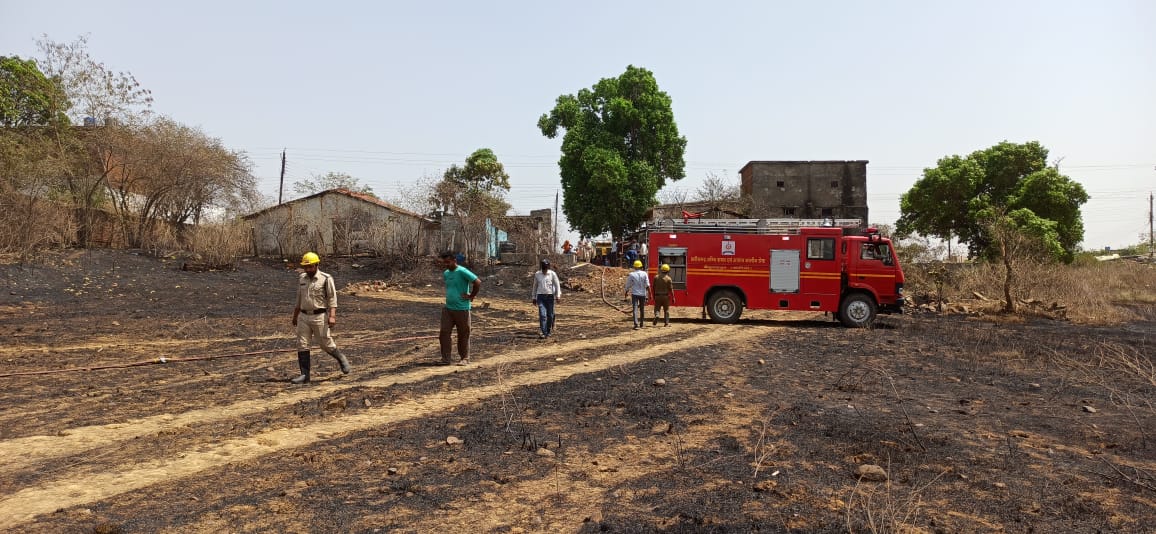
column 831, row 265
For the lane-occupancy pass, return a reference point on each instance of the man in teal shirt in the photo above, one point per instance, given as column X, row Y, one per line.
column 462, row 287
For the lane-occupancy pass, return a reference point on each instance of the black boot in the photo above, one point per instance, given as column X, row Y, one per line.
column 303, row 363
column 345, row 367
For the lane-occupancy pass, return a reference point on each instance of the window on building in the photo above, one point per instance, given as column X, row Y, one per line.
column 834, row 184
column 821, row 248
column 780, row 184
column 827, row 212
column 788, row 212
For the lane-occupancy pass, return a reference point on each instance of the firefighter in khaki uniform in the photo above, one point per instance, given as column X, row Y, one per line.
column 314, row 314
column 663, row 294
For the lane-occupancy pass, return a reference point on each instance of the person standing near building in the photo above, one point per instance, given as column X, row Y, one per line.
column 663, row 294
column 637, row 290
column 314, row 314
column 643, row 253
column 631, row 254
column 547, row 292
column 462, row 288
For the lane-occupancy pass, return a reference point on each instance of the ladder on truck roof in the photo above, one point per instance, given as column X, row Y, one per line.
column 750, row 226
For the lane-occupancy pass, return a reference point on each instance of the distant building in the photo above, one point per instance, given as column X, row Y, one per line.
column 340, row 221
column 806, row 189
column 533, row 233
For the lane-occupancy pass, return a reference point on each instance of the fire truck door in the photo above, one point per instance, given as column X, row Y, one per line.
column 874, row 267
column 785, row 271
column 820, row 271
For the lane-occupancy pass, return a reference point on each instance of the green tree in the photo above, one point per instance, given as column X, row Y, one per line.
column 473, row 193
column 478, row 186
column 1018, row 238
column 331, row 180
column 620, row 147
column 482, row 172
column 27, row 96
column 950, row 200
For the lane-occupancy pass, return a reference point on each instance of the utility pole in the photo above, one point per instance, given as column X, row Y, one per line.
column 281, row 188
column 556, row 193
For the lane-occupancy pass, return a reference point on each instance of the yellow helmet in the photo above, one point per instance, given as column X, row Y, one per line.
column 637, row 264
column 665, row 268
column 310, row 258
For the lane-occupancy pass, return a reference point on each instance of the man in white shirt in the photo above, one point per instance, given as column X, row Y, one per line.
column 638, row 290
column 643, row 252
column 546, row 293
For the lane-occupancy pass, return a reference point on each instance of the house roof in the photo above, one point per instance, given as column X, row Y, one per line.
column 724, row 206
column 352, row 194
column 800, row 162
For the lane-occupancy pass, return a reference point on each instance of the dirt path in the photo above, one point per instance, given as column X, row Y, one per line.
column 30, row 502
column 22, row 452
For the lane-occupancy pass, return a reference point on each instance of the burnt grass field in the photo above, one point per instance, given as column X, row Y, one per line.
column 974, row 425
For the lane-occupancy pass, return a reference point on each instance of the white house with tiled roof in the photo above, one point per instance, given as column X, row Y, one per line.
column 340, row 221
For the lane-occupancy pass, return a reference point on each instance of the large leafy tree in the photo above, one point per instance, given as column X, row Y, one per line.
column 621, row 145
column 955, row 199
column 27, row 96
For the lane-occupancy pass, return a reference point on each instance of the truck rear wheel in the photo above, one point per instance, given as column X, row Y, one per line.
column 724, row 307
column 857, row 311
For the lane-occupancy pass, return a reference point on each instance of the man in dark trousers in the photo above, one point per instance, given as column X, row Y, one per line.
column 462, row 287
column 547, row 292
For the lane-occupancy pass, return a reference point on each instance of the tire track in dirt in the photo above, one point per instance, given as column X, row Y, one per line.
column 351, row 338
column 28, row 503
column 23, row 452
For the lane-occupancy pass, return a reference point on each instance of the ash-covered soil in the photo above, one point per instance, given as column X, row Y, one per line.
column 976, row 425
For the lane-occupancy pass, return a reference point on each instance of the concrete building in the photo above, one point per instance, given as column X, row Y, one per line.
column 806, row 189
column 340, row 221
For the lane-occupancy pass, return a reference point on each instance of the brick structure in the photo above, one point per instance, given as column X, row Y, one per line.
column 806, row 189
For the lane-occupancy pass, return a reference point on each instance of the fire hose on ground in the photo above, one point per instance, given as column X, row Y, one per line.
column 626, row 312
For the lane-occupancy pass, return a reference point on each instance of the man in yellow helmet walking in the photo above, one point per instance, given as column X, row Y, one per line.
column 663, row 294
column 314, row 314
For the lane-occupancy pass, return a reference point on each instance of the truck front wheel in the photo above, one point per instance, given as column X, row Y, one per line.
column 724, row 307
column 857, row 311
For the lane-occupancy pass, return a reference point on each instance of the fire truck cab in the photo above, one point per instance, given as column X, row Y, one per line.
column 830, row 265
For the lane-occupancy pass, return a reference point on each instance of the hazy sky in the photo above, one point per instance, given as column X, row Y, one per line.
column 389, row 92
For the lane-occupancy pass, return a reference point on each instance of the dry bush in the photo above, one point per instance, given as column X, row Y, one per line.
column 886, row 509
column 399, row 241
column 1101, row 292
column 29, row 227
column 161, row 240
column 218, row 245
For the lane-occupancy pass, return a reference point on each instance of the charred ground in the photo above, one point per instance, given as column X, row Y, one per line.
column 980, row 425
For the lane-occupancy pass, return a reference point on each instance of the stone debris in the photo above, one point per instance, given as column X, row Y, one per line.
column 871, row 473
